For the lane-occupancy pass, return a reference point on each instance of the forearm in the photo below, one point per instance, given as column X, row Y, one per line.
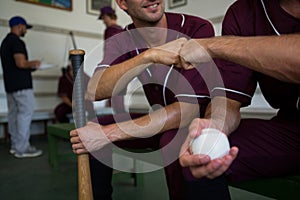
column 66, row 100
column 224, row 114
column 176, row 115
column 115, row 78
column 23, row 63
column 272, row 55
column 112, row 80
column 28, row 64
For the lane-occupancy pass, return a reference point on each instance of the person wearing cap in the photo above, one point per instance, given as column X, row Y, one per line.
column 19, row 88
column 65, row 92
column 109, row 17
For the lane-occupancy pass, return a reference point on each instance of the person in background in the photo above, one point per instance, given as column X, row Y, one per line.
column 109, row 18
column 19, row 88
column 257, row 143
column 65, row 91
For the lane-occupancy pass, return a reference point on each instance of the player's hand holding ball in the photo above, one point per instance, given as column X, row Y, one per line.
column 211, row 142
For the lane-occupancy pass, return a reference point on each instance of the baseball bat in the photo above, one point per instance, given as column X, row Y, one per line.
column 84, row 177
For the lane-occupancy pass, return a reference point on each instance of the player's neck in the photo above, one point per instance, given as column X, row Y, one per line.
column 112, row 23
column 15, row 31
column 292, row 7
column 155, row 35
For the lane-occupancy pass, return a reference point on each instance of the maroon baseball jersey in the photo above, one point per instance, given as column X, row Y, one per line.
column 248, row 18
column 163, row 85
column 112, row 30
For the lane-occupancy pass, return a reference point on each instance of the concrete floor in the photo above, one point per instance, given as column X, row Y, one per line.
column 34, row 179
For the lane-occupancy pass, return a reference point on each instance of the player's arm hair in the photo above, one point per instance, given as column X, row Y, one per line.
column 276, row 56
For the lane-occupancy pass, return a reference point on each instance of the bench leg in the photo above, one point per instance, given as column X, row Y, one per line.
column 53, row 155
column 45, row 126
column 138, row 177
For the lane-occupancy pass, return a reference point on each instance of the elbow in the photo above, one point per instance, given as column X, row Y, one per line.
column 93, row 95
column 96, row 87
column 21, row 65
column 235, row 118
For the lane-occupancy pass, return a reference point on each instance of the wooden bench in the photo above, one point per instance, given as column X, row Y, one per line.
column 56, row 132
column 38, row 116
column 62, row 131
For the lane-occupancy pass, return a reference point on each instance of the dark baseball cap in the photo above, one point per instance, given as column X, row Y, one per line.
column 106, row 10
column 18, row 20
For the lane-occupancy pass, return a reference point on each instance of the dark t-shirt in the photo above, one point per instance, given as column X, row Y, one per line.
column 163, row 85
column 247, row 18
column 14, row 78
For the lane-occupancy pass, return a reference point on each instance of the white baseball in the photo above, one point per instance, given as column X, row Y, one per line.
column 211, row 142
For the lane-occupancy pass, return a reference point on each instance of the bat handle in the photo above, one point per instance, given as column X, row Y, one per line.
column 84, row 176
column 85, row 191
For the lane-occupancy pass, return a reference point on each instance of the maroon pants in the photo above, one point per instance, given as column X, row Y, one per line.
column 101, row 173
column 267, row 148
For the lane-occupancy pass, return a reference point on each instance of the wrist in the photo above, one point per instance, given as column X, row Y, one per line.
column 212, row 47
column 148, row 56
column 114, row 133
column 221, row 47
